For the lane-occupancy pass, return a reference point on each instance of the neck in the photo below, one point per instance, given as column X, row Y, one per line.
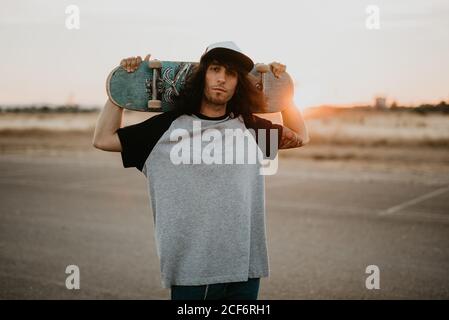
column 212, row 110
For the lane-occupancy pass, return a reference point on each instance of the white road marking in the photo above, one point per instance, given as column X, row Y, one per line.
column 411, row 202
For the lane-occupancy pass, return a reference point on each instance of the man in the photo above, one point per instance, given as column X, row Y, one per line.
column 209, row 217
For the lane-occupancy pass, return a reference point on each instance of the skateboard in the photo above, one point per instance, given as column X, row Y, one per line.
column 153, row 86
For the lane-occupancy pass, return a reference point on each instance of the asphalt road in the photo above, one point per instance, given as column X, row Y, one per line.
column 326, row 223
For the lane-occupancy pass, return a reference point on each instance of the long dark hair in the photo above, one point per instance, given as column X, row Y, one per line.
column 246, row 99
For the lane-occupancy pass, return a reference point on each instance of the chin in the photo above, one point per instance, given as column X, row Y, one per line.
column 219, row 101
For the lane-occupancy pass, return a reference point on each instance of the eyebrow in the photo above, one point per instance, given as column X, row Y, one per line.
column 227, row 66
column 216, row 63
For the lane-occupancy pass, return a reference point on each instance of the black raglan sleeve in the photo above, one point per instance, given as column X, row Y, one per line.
column 260, row 123
column 138, row 140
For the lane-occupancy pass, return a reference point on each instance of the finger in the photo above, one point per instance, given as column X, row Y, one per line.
column 138, row 62
column 147, row 57
column 282, row 67
column 128, row 64
column 134, row 63
column 284, row 138
column 280, row 70
column 285, row 144
column 276, row 70
column 125, row 64
column 288, row 135
column 291, row 144
column 285, row 141
column 291, row 140
column 298, row 143
column 272, row 66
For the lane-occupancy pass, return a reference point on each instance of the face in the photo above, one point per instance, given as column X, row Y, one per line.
column 220, row 84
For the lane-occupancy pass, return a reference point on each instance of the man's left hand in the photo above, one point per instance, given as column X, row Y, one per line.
column 277, row 68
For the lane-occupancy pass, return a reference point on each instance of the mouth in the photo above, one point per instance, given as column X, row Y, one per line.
column 219, row 89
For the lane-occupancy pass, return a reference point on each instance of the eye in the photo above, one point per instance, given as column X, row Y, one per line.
column 231, row 73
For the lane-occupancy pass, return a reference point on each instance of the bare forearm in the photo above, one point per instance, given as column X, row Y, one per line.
column 293, row 119
column 109, row 120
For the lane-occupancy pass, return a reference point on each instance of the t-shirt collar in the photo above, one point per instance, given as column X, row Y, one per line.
column 204, row 117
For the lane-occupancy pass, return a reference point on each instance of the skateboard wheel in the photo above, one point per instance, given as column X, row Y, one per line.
column 154, row 64
column 262, row 68
column 154, row 104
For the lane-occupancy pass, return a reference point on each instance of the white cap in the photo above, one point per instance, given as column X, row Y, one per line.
column 229, row 49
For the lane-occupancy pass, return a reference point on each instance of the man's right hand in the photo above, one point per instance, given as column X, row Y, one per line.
column 132, row 64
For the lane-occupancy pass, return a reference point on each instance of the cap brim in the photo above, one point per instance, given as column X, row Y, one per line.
column 240, row 59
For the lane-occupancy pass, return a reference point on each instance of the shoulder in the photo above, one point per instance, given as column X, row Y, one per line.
column 158, row 122
column 266, row 131
column 256, row 122
column 138, row 140
column 162, row 118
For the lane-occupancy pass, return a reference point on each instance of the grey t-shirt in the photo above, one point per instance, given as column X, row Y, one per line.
column 209, row 218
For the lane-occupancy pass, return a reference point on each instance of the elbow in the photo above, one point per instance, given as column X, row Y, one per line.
column 97, row 143
column 306, row 140
column 106, row 143
column 305, row 137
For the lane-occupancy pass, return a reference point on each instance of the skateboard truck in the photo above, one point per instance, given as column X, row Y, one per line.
column 154, row 103
column 261, row 68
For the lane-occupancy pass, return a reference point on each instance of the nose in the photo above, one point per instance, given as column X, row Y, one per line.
column 222, row 76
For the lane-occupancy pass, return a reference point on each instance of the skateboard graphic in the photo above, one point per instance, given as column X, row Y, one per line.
column 154, row 86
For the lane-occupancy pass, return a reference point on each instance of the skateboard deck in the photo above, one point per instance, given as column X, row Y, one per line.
column 154, row 85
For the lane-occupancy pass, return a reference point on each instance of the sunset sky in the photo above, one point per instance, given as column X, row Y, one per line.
column 332, row 55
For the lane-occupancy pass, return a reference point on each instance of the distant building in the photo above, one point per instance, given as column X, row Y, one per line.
column 381, row 103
